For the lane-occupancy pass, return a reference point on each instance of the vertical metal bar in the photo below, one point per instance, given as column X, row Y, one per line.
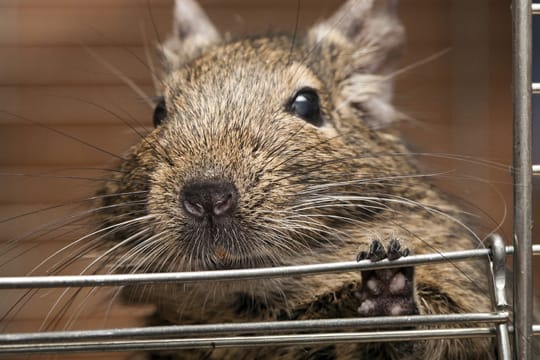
column 504, row 351
column 498, row 273
column 522, row 61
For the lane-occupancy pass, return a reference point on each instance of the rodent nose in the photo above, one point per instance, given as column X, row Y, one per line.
column 213, row 198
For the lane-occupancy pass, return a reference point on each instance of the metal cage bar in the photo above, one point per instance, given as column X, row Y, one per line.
column 174, row 336
column 252, row 327
column 251, row 341
column 28, row 282
column 522, row 170
column 498, row 272
column 32, row 282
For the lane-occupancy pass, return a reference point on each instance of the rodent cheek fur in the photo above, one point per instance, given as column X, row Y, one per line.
column 267, row 176
column 287, row 174
column 296, row 184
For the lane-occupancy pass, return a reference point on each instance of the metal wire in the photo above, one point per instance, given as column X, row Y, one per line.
column 251, row 341
column 498, row 272
column 143, row 338
column 252, row 327
column 522, row 180
column 30, row 282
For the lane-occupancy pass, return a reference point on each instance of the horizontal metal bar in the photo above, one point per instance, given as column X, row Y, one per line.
column 248, row 341
column 535, row 249
column 536, row 169
column 536, row 88
column 30, row 282
column 253, row 327
column 535, row 8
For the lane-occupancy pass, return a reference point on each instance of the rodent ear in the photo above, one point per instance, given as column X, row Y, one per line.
column 370, row 27
column 362, row 42
column 193, row 32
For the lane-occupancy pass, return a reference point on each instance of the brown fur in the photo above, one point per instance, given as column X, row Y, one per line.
column 306, row 194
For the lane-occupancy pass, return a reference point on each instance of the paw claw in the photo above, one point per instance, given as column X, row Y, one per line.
column 395, row 251
column 377, row 251
column 386, row 291
column 362, row 255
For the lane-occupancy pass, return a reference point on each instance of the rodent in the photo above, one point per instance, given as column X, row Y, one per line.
column 279, row 150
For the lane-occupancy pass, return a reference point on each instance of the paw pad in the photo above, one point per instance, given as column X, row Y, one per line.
column 386, row 291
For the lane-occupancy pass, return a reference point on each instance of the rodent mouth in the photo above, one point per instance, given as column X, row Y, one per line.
column 229, row 263
column 221, row 253
column 219, row 246
column 224, row 259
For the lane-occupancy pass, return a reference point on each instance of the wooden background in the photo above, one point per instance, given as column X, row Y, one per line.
column 459, row 104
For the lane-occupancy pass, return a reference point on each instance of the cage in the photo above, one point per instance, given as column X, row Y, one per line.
column 60, row 68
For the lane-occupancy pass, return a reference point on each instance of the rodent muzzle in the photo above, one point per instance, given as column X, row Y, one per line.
column 209, row 199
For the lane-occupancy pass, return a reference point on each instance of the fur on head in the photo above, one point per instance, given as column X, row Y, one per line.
column 282, row 135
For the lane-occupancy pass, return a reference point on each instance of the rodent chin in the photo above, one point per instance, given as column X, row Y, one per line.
column 221, row 258
column 232, row 245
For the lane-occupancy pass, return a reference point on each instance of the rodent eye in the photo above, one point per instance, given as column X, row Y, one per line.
column 305, row 104
column 160, row 112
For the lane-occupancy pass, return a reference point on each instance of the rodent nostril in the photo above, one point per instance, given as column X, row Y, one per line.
column 222, row 206
column 194, row 209
column 213, row 198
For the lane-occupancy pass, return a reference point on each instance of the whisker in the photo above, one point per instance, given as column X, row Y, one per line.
column 87, row 236
column 92, row 264
column 50, row 227
column 64, row 134
column 114, row 70
column 368, row 180
column 417, row 64
column 62, row 177
column 163, row 155
column 156, row 80
column 136, row 250
column 295, row 32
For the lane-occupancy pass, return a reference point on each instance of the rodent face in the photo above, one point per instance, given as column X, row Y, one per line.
column 228, row 121
column 233, row 177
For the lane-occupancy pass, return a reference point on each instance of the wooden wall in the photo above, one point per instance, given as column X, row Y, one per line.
column 55, row 79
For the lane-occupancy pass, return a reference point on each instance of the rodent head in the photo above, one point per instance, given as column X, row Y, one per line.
column 265, row 148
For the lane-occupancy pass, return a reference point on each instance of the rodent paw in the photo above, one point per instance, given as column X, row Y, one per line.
column 386, row 291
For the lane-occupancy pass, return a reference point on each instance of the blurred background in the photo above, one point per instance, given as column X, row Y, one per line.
column 59, row 65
